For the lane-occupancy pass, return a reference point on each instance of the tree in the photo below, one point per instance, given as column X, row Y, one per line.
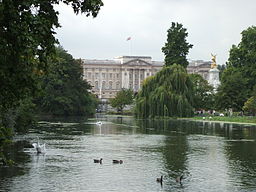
column 122, row 98
column 221, row 68
column 27, row 40
column 232, row 93
column 64, row 90
column 204, row 96
column 176, row 48
column 250, row 105
column 168, row 93
column 243, row 57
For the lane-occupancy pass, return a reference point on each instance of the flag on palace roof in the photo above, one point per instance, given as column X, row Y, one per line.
column 129, row 38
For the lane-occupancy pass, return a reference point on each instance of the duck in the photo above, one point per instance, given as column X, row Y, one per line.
column 160, row 180
column 179, row 179
column 118, row 161
column 98, row 160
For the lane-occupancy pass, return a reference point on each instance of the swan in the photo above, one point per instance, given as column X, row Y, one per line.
column 98, row 123
column 40, row 148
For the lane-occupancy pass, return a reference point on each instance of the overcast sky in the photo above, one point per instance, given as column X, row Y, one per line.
column 212, row 25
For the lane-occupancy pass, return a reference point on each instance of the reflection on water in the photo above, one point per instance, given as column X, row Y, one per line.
column 211, row 156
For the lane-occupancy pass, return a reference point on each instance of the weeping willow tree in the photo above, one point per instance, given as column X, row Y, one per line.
column 168, row 93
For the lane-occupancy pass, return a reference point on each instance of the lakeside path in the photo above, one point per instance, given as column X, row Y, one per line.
column 217, row 121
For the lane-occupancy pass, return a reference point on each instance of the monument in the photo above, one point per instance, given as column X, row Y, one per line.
column 214, row 74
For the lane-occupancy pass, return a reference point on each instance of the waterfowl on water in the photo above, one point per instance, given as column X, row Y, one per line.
column 179, row 179
column 118, row 161
column 160, row 180
column 98, row 160
column 40, row 148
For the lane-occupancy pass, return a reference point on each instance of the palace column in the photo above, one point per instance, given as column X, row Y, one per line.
column 133, row 79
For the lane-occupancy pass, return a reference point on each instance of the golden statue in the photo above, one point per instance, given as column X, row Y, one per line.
column 213, row 65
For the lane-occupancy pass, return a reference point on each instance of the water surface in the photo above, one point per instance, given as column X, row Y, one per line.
column 211, row 156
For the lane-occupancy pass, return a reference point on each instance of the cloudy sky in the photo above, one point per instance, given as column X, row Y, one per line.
column 212, row 25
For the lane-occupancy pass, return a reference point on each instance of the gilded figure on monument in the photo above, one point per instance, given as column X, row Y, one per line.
column 214, row 64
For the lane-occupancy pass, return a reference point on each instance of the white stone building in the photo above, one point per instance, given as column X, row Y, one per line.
column 107, row 77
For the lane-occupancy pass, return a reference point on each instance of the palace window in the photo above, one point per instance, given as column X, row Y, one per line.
column 110, row 84
column 103, row 85
column 117, row 85
column 96, row 85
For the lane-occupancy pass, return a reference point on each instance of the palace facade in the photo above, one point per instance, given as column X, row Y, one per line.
column 107, row 77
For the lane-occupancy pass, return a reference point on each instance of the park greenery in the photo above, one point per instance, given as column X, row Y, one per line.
column 64, row 92
column 27, row 45
column 239, row 77
column 203, row 93
column 122, row 98
column 176, row 48
column 170, row 93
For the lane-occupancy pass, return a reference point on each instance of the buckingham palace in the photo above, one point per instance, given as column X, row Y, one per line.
column 107, row 77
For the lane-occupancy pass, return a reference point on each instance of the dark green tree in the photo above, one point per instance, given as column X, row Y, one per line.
column 176, row 48
column 250, row 105
column 168, row 93
column 221, row 68
column 27, row 40
column 122, row 98
column 243, row 57
column 232, row 93
column 204, row 95
column 64, row 90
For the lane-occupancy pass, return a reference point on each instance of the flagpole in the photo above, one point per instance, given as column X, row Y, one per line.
column 130, row 45
column 130, row 48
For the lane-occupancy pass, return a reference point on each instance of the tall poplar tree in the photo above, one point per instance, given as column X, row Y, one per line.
column 176, row 48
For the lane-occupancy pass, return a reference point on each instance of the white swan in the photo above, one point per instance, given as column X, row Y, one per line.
column 39, row 148
column 98, row 123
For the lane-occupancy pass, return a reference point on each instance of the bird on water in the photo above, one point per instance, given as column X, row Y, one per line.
column 160, row 180
column 98, row 160
column 179, row 179
column 118, row 161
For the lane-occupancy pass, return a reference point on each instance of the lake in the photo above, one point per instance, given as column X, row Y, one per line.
column 210, row 156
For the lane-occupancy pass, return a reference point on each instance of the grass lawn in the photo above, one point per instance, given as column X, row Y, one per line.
column 237, row 119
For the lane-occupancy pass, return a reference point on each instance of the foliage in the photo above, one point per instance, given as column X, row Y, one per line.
column 25, row 115
column 221, row 68
column 26, row 40
column 176, row 48
column 64, row 90
column 204, row 96
column 233, row 91
column 250, row 105
column 243, row 57
column 168, row 93
column 122, row 98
